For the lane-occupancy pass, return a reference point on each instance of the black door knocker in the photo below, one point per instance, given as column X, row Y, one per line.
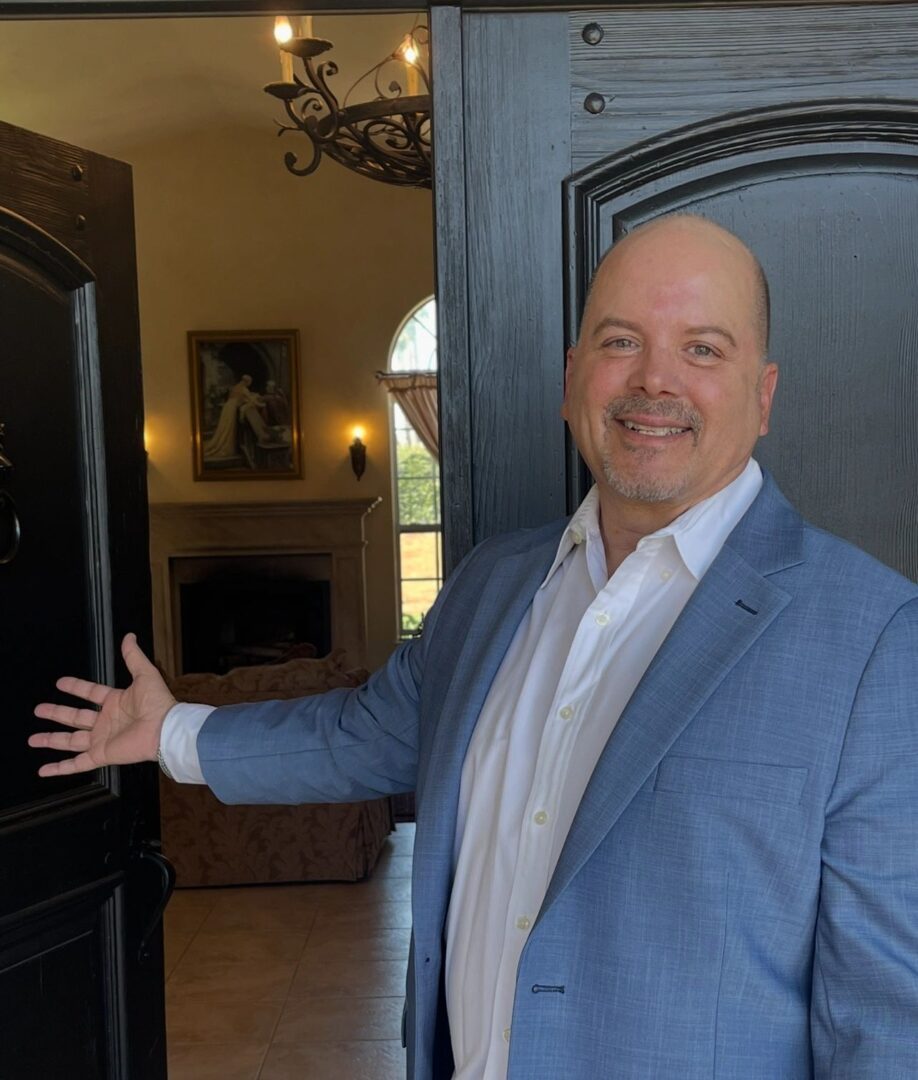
column 10, row 529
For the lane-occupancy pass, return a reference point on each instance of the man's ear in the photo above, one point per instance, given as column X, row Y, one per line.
column 768, row 380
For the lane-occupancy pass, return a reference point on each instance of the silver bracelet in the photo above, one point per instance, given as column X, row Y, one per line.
column 162, row 763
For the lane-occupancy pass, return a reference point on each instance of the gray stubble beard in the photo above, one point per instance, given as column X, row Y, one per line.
column 648, row 489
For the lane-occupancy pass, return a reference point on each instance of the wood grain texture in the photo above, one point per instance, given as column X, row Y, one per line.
column 451, row 272
column 661, row 69
column 517, row 155
column 827, row 197
column 91, row 842
column 68, row 9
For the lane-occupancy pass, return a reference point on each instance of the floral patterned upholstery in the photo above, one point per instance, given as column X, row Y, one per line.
column 213, row 844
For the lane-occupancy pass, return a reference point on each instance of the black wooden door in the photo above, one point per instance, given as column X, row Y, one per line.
column 794, row 126
column 81, row 977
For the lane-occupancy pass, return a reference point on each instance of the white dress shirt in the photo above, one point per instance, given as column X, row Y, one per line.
column 574, row 662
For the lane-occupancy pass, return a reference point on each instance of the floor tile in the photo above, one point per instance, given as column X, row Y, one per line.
column 402, row 839
column 244, row 945
column 269, row 980
column 344, row 943
column 382, row 916
column 282, row 908
column 371, row 891
column 207, row 1019
column 222, row 1061
column 188, row 908
column 174, row 947
column 311, row 1020
column 350, row 978
column 336, row 1061
column 395, row 866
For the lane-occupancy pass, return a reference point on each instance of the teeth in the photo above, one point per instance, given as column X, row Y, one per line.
column 652, row 430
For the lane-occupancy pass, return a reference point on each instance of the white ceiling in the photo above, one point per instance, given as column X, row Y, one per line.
column 108, row 84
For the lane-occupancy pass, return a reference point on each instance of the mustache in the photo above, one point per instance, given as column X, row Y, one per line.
column 677, row 411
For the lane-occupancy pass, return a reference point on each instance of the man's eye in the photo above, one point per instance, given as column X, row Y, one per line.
column 703, row 351
column 619, row 343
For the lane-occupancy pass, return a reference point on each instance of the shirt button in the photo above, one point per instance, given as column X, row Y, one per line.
column 506, row 1034
column 602, row 619
column 523, row 922
column 540, row 817
column 566, row 713
column 665, row 575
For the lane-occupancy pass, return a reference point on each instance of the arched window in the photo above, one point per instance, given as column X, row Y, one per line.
column 411, row 381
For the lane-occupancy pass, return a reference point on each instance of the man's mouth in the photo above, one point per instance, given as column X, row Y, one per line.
column 656, row 431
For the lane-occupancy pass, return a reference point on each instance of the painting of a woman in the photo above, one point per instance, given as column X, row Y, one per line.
column 245, row 403
column 224, row 443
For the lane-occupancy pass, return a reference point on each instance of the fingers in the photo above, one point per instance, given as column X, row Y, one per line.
column 79, row 764
column 76, row 741
column 82, row 688
column 66, row 715
column 134, row 657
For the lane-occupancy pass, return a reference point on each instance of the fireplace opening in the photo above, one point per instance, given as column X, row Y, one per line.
column 228, row 621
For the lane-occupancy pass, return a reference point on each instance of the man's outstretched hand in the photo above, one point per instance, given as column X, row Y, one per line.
column 124, row 729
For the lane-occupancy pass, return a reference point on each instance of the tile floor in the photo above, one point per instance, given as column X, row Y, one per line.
column 291, row 982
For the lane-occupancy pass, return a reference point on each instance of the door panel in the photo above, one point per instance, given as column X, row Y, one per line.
column 834, row 234
column 828, row 200
column 80, row 881
column 40, row 410
column 661, row 68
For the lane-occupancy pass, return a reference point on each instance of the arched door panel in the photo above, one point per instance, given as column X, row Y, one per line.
column 827, row 197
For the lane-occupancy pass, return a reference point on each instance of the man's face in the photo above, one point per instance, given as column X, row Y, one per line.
column 666, row 392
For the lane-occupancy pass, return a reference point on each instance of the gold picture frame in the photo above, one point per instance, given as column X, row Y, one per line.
column 245, row 404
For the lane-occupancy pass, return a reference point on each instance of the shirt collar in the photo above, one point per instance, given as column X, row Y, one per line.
column 699, row 533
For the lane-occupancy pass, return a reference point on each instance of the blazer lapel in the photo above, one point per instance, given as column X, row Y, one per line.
column 507, row 594
column 711, row 635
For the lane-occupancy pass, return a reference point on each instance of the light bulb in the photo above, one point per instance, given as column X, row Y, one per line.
column 283, row 31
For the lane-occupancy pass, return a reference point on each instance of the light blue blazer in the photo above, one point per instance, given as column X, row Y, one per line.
column 738, row 895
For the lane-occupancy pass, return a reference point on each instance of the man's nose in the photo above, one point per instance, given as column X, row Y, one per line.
column 655, row 372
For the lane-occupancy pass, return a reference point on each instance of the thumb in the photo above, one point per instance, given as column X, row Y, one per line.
column 134, row 657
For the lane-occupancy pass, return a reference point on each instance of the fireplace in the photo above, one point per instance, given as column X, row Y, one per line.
column 252, row 583
column 235, row 612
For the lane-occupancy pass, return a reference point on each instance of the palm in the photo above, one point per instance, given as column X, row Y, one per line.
column 125, row 728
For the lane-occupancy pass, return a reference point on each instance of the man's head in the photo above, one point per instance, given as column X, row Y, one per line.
column 668, row 387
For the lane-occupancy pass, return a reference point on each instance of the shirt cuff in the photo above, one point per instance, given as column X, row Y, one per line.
column 178, row 742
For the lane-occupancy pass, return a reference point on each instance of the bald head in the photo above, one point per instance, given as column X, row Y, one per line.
column 687, row 237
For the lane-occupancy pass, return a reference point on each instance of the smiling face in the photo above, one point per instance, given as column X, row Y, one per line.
column 667, row 391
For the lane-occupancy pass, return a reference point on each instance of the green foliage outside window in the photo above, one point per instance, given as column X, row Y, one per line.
column 418, row 487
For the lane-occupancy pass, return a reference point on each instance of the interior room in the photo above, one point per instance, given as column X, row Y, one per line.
column 290, row 979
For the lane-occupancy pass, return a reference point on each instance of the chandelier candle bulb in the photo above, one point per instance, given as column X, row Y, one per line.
column 410, row 56
column 283, row 32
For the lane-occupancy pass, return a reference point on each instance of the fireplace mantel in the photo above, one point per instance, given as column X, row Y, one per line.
column 334, row 529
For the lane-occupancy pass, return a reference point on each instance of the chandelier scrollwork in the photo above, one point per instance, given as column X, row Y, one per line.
column 385, row 138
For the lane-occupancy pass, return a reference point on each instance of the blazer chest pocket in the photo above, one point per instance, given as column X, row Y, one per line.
column 731, row 779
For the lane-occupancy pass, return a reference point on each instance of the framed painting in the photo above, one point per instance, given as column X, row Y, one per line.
column 245, row 404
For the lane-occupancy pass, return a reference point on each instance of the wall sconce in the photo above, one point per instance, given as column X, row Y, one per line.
column 358, row 451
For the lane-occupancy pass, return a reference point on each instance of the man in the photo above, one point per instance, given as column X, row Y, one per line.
column 666, row 754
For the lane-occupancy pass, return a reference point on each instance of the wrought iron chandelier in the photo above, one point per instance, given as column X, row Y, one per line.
column 387, row 137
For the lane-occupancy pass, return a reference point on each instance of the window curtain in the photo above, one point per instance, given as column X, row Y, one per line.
column 416, row 394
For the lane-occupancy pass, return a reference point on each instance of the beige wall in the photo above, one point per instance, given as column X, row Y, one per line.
column 228, row 240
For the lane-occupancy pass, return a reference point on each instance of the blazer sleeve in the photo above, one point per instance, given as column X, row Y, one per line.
column 864, row 1012
column 340, row 746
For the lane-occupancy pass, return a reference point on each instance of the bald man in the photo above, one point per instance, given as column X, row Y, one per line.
column 666, row 752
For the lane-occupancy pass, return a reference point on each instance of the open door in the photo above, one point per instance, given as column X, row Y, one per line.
column 82, row 885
